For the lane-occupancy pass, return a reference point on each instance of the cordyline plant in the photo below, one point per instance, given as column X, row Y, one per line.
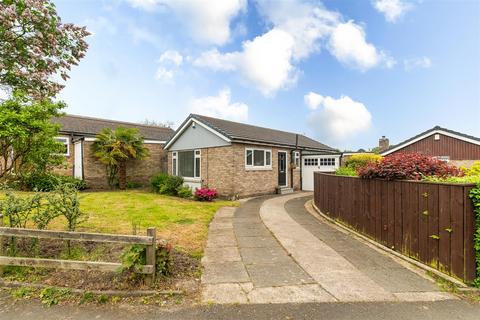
column 115, row 148
column 35, row 45
column 408, row 166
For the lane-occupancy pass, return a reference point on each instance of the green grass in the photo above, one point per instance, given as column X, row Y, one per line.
column 182, row 222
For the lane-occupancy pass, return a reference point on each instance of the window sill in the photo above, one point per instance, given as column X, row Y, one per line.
column 258, row 168
column 189, row 179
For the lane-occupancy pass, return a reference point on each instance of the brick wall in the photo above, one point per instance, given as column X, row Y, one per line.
column 223, row 168
column 137, row 170
column 296, row 179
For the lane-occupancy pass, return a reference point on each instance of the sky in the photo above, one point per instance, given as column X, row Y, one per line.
column 344, row 72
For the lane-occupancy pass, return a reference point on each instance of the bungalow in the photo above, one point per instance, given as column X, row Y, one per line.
column 454, row 147
column 241, row 160
column 78, row 133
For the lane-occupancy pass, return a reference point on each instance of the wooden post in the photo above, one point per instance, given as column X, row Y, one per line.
column 151, row 256
column 1, row 243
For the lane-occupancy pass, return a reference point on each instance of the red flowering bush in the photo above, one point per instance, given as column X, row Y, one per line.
column 408, row 166
column 205, row 194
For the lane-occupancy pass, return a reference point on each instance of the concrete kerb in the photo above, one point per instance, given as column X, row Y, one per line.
column 411, row 264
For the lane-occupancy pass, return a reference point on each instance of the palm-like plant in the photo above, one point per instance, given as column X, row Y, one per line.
column 115, row 148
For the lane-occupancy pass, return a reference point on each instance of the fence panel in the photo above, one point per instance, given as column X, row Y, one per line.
column 432, row 223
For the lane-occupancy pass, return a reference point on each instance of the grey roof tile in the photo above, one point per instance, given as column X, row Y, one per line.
column 88, row 126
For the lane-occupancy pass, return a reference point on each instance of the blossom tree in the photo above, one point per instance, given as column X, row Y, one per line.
column 36, row 47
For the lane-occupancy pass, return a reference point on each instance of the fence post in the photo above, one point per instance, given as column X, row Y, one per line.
column 151, row 256
column 1, row 243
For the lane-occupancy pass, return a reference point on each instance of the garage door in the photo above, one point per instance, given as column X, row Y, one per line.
column 311, row 164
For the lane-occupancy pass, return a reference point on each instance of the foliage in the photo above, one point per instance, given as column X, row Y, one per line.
column 115, row 148
column 205, row 194
column 44, row 181
column 135, row 257
column 134, row 185
column 474, row 170
column 346, row 171
column 51, row 296
column 18, row 210
column 475, row 196
column 64, row 200
column 25, row 126
column 362, row 159
column 464, row 179
column 411, row 166
column 184, row 192
column 35, row 46
column 166, row 184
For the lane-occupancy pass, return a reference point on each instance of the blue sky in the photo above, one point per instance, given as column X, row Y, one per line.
column 344, row 72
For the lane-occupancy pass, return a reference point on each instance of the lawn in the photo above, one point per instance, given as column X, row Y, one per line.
column 184, row 223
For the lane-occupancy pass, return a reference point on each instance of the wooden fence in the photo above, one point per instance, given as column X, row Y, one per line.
column 149, row 241
column 430, row 222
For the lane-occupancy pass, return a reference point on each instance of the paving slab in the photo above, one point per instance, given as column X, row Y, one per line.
column 295, row 294
column 224, row 293
column 221, row 254
column 274, row 275
column 258, row 242
column 264, row 255
column 226, row 272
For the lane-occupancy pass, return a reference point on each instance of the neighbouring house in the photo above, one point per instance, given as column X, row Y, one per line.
column 241, row 160
column 78, row 133
column 454, row 147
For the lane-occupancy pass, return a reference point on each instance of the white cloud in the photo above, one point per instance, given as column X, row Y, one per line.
column 313, row 100
column 164, row 75
column 208, row 21
column 338, row 119
column 392, row 9
column 297, row 30
column 215, row 60
column 220, row 106
column 171, row 56
column 413, row 63
column 348, row 44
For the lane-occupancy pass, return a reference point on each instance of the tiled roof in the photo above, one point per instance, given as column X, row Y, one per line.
column 245, row 132
column 88, row 126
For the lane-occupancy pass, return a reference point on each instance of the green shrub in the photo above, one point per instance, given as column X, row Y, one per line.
column 49, row 182
column 346, row 171
column 474, row 170
column 158, row 181
column 475, row 196
column 166, row 184
column 361, row 159
column 184, row 192
column 135, row 257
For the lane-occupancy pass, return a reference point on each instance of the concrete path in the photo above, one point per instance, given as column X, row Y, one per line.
column 271, row 250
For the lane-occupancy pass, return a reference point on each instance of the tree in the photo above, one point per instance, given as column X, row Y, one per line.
column 27, row 136
column 115, row 148
column 154, row 123
column 35, row 46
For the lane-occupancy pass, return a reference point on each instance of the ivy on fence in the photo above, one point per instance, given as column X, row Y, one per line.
column 475, row 196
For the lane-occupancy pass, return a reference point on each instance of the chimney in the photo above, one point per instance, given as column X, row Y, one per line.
column 383, row 143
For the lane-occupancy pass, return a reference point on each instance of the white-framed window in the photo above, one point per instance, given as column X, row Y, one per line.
column 296, row 158
column 174, row 163
column 258, row 158
column 66, row 145
column 187, row 164
column 324, row 162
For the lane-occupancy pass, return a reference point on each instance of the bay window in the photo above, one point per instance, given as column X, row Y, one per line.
column 186, row 164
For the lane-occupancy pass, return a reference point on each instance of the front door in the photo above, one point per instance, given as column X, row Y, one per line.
column 282, row 169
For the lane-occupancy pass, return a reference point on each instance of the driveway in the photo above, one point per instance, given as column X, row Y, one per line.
column 272, row 250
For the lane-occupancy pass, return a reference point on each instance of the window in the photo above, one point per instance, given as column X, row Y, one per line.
column 66, row 145
column 174, row 163
column 329, row 162
column 445, row 159
column 258, row 159
column 186, row 164
column 296, row 158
